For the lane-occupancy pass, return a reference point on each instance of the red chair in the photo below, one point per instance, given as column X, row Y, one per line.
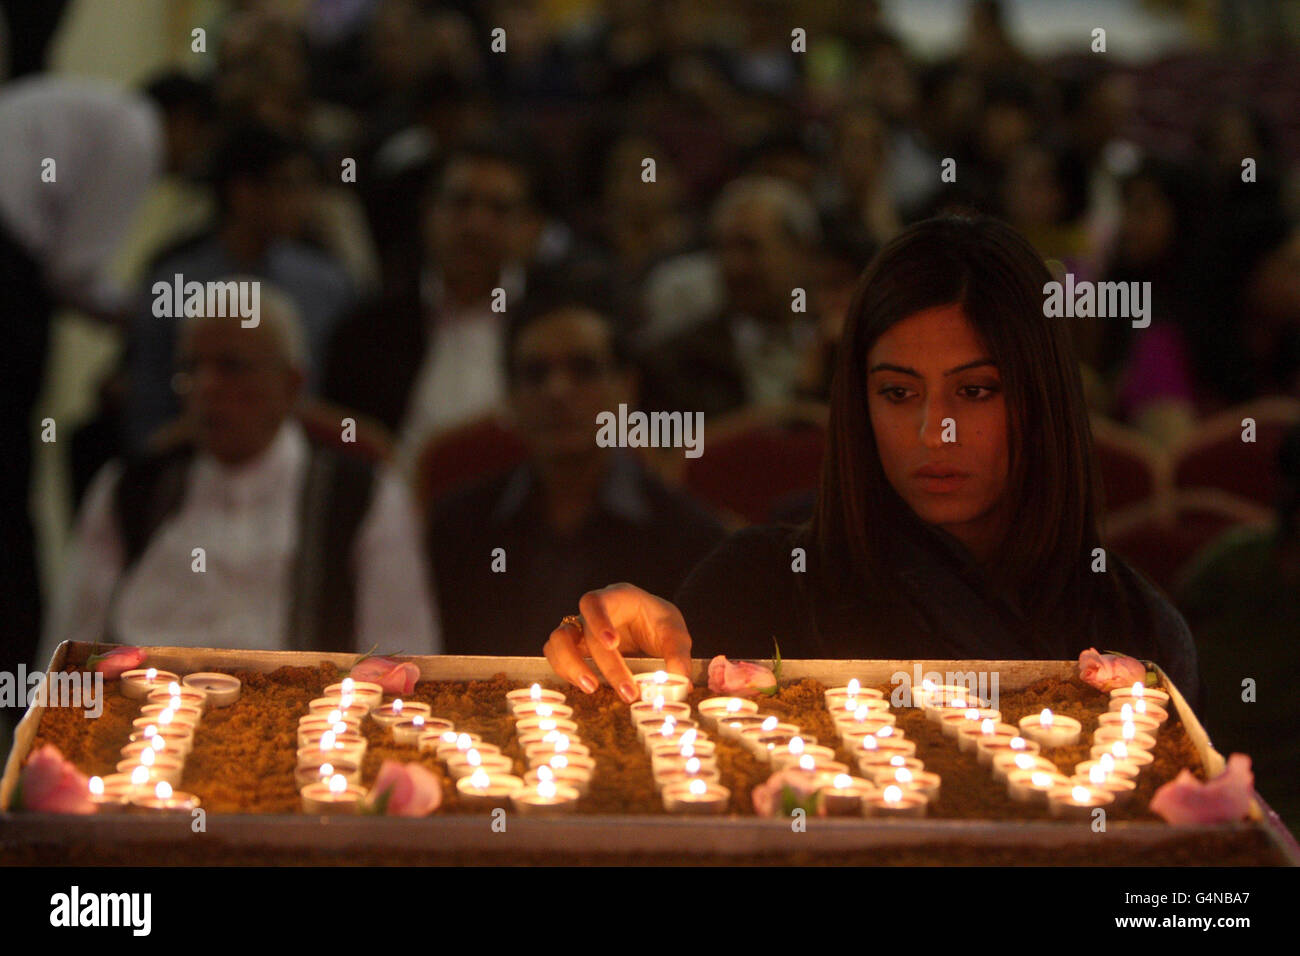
column 1216, row 457
column 462, row 454
column 1161, row 540
column 1132, row 467
column 756, row 457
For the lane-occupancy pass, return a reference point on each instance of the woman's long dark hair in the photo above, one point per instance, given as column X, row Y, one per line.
column 993, row 272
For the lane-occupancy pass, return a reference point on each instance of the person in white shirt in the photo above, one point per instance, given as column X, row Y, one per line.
column 246, row 534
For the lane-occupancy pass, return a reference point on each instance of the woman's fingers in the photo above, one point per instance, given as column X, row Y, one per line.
column 603, row 641
column 566, row 656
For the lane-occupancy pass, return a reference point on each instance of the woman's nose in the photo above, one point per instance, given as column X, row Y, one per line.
column 938, row 426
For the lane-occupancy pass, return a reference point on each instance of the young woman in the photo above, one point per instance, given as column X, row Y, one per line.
column 957, row 516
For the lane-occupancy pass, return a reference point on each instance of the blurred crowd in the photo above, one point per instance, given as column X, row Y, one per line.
column 485, row 222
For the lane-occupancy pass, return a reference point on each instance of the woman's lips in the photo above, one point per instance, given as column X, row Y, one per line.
column 939, row 479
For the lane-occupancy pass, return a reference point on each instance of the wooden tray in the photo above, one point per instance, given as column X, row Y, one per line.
column 460, row 838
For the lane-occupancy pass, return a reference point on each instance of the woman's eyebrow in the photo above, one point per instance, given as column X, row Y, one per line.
column 888, row 367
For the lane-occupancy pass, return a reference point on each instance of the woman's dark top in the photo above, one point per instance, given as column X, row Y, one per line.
column 940, row 607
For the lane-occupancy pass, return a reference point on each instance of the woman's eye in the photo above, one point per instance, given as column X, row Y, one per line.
column 894, row 393
column 978, row 392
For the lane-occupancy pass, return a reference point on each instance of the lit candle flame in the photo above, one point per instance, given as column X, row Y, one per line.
column 166, row 715
column 1080, row 794
column 464, row 742
column 157, row 743
column 1128, row 731
column 338, row 783
column 667, row 728
column 559, row 761
column 397, row 706
column 535, row 692
column 1119, row 749
column 151, row 674
column 893, row 794
column 698, row 787
column 869, row 742
column 150, row 731
column 1017, row 743
column 660, row 677
column 1139, row 689
column 854, row 687
column 960, row 703
column 687, row 750
column 796, row 745
column 545, row 773
column 348, row 686
column 174, row 689
column 843, row 781
column 693, row 766
column 770, row 724
column 543, row 710
column 97, row 785
column 807, row 762
column 547, row 723
column 147, row 757
column 1126, row 713
column 734, row 705
column 345, row 701
column 1045, row 718
column 1025, row 761
column 546, row 789
column 988, row 727
column 1096, row 775
column 903, row 775
column 972, row 714
column 140, row 776
column 927, row 684
column 658, row 704
column 861, row 713
column 479, row 779
column 474, row 758
column 885, row 731
column 417, row 721
column 335, row 716
column 1041, row 780
column 449, row 737
column 163, row 791
column 898, row 760
column 326, row 770
column 1107, row 763
column 1140, row 707
column 560, row 744
column 327, row 740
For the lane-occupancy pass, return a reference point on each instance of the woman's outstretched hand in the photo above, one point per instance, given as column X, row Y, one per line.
column 616, row 619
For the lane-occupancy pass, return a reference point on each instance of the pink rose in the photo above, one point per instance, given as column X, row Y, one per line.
column 412, row 791
column 393, row 677
column 116, row 661
column 53, row 785
column 740, row 679
column 1222, row 800
column 1108, row 672
column 770, row 797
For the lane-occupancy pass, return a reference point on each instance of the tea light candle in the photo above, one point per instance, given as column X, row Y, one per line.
column 988, row 748
column 657, row 710
column 163, row 797
column 789, row 754
column 176, row 740
column 1150, row 694
column 671, row 687
column 111, row 797
column 342, row 740
column 331, row 796
column 435, row 740
column 1050, row 730
column 545, row 798
column 712, row 709
column 320, row 724
column 326, row 706
column 222, row 689
column 138, row 684
column 732, row 727
column 462, row 765
column 922, row 780
column 860, row 708
column 1128, row 733
column 896, row 801
column 1076, row 801
column 543, row 724
column 1139, row 707
column 863, row 719
column 408, row 731
column 543, row 708
column 948, row 701
column 535, row 693
column 765, row 738
column 1109, row 766
column 1098, row 779
column 1032, row 786
column 853, row 690
column 843, row 795
column 397, row 710
column 878, row 772
column 667, row 732
column 952, row 722
column 569, row 769
column 879, row 747
column 175, row 693
column 820, row 766
column 1004, row 763
column 1144, row 722
column 561, row 744
column 969, row 736
column 363, row 691
column 323, row 771
column 485, row 791
column 166, row 714
column 161, row 767
column 692, row 769
column 148, row 726
column 450, row 745
column 696, row 796
column 1123, row 750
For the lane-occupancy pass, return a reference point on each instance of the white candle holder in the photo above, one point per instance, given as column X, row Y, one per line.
column 222, row 689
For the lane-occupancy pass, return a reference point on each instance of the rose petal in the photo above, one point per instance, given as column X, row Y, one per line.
column 53, row 785
column 1226, row 798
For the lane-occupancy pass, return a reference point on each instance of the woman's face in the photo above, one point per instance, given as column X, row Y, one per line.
column 940, row 421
